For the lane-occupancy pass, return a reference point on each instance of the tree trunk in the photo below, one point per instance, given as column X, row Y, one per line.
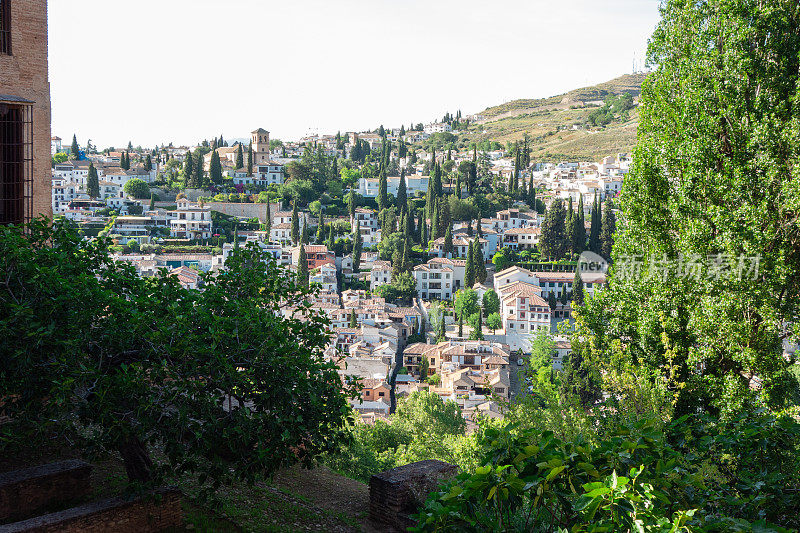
column 138, row 464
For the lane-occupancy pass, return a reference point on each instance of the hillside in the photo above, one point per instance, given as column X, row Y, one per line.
column 550, row 121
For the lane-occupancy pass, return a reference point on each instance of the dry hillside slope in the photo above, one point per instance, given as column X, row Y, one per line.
column 558, row 125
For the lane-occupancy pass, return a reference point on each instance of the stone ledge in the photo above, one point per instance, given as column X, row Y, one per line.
column 26, row 491
column 397, row 494
column 148, row 513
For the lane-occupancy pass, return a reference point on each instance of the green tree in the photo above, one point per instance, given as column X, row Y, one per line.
column 715, row 121
column 577, row 288
column 383, row 198
column 215, row 169
column 188, row 170
column 478, row 261
column 469, row 269
column 250, row 159
column 491, row 302
column 239, row 156
column 302, row 267
column 494, row 322
column 199, row 179
column 320, row 228
column 152, row 202
column 500, row 261
column 93, row 183
column 425, row 415
column 353, row 319
column 607, row 230
column 553, row 243
column 148, row 163
column 137, row 188
column 107, row 349
column 447, row 248
column 75, row 149
column 402, row 195
column 424, row 366
column 466, row 302
column 476, row 321
column 357, row 244
column 295, row 229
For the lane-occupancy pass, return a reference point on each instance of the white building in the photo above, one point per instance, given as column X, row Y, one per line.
column 190, row 221
column 381, row 274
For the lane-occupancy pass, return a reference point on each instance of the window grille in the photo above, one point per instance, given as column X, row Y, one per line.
column 5, row 27
column 16, row 162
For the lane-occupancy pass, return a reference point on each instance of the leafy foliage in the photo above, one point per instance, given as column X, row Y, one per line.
column 216, row 380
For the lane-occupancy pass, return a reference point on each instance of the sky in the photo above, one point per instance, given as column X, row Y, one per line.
column 159, row 71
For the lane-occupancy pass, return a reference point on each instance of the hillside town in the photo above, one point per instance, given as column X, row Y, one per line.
column 437, row 264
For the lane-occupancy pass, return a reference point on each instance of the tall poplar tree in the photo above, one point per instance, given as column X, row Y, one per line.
column 250, row 159
column 295, row 229
column 239, row 157
column 479, row 262
column 402, row 196
column 357, row 243
column 469, row 270
column 92, row 182
column 302, row 267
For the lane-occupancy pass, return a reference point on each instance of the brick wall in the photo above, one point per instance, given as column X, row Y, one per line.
column 24, row 74
column 24, row 492
column 148, row 513
column 396, row 494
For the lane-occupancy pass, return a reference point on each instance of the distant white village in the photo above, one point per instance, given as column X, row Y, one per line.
column 409, row 345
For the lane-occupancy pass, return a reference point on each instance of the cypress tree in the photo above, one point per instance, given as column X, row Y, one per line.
column 437, row 181
column 480, row 264
column 532, row 194
column 383, row 197
column 302, row 267
column 553, row 242
column 402, row 196
column 148, row 163
column 295, row 231
column 357, row 248
column 320, row 228
column 188, row 170
column 152, row 202
column 458, row 186
column 199, row 174
column 563, row 298
column 250, row 159
column 477, row 332
column 430, row 197
column 580, row 230
column 215, row 169
column 331, row 243
column 304, row 234
column 440, row 330
column 445, row 222
column 435, row 222
column 577, row 288
column 461, row 325
column 479, row 229
column 353, row 319
column 239, row 157
column 76, row 151
column 448, row 242
column 607, row 233
column 551, row 300
column 423, row 234
column 469, row 270
column 92, row 182
column 268, row 224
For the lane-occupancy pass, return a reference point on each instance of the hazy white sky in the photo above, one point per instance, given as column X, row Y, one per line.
column 154, row 71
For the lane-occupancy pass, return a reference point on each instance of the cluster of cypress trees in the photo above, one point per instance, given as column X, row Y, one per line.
column 475, row 270
column 125, row 161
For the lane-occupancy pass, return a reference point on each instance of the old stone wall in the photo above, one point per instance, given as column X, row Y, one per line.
column 397, row 494
column 24, row 492
column 147, row 513
column 24, row 74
